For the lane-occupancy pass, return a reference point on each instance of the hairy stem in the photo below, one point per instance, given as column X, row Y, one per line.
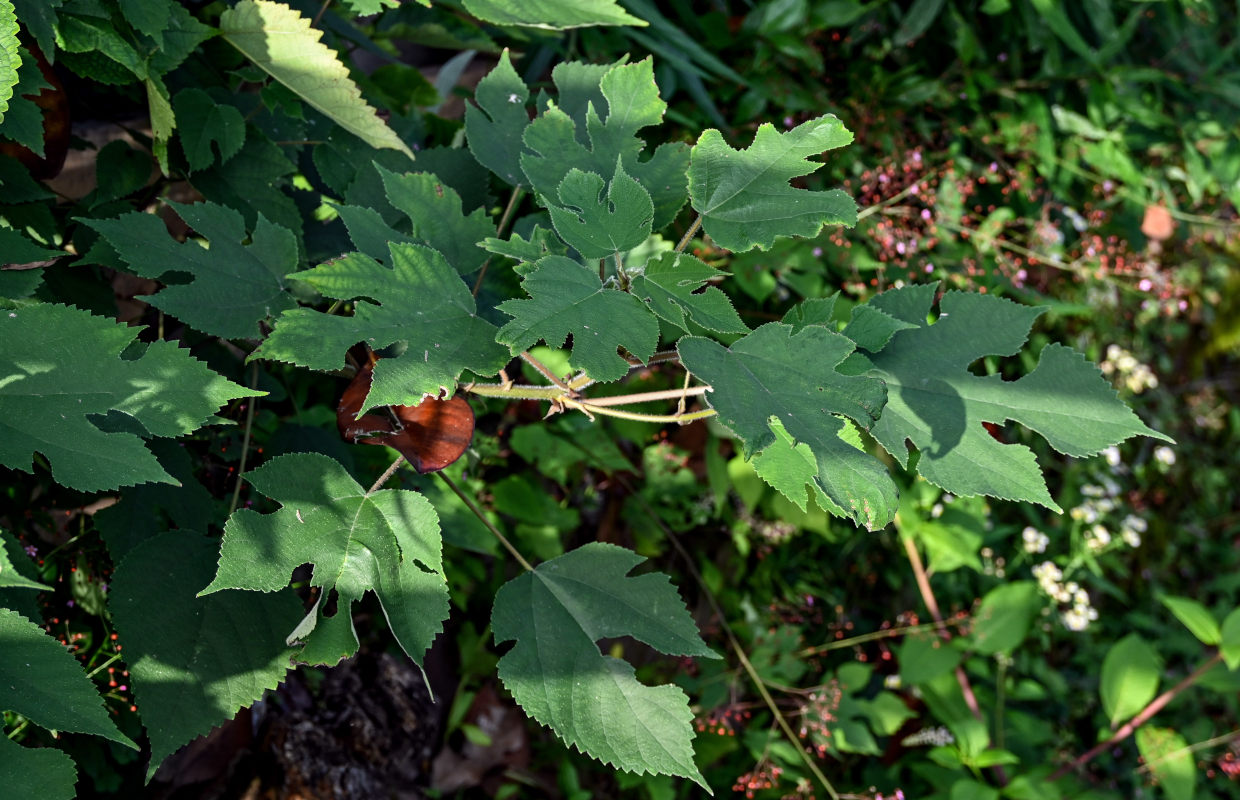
column 689, row 234
column 386, row 476
column 472, row 506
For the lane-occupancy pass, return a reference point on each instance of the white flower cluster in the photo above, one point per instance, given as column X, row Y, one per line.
column 1080, row 612
column 1124, row 366
column 1035, row 540
column 1099, row 501
column 1131, row 528
column 935, row 737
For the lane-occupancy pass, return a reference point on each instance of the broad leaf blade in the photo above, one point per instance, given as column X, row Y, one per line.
column 935, row 403
column 283, row 44
column 495, row 125
column 387, row 542
column 776, row 372
column 568, row 298
column 236, row 286
column 744, row 196
column 434, row 209
column 555, row 15
column 194, row 660
column 557, row 614
column 1129, row 680
column 1196, row 617
column 41, row 680
column 36, row 772
column 10, row 576
column 421, row 301
column 670, row 285
column 48, row 394
column 1004, row 616
column 598, row 224
column 207, row 128
column 1170, row 760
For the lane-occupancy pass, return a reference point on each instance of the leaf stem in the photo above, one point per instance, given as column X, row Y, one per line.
column 1140, row 719
column 469, row 503
column 647, row 397
column 545, row 371
column 689, row 234
column 387, row 474
column 245, row 440
column 589, row 409
column 319, row 16
column 499, row 230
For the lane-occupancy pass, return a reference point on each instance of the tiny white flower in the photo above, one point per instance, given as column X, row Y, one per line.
column 1164, row 455
column 1035, row 540
column 1112, row 456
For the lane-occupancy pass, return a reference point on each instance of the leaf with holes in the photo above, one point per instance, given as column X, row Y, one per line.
column 934, row 402
column 420, row 300
column 744, row 197
column 775, row 371
column 566, row 299
column 557, row 614
column 386, row 542
column 194, row 661
column 50, row 396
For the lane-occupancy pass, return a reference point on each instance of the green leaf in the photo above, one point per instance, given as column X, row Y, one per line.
column 163, row 120
column 555, row 145
column 1166, row 754
column 557, row 614
column 917, row 20
column 792, row 376
column 23, row 119
column 420, row 301
column 1230, row 644
column 1196, row 617
column 39, row 19
column 194, row 661
column 1002, row 620
column 434, row 209
column 368, row 7
column 935, row 403
column 670, row 285
column 283, row 44
column 1129, row 679
column 925, row 656
column 555, row 15
column 147, row 16
column 48, row 393
column 744, row 196
column 120, row 170
column 495, row 125
column 207, row 127
column 18, row 249
column 37, row 773
column 42, row 681
column 370, row 233
column 10, row 577
column 386, row 542
column 568, row 298
column 542, row 242
column 871, row 328
column 236, row 286
column 600, row 226
column 10, row 54
column 249, row 183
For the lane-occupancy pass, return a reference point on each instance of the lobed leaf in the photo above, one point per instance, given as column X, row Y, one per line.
column 556, row 15
column 670, row 285
column 386, row 542
column 236, row 286
column 48, row 395
column 936, row 404
column 283, row 44
column 556, row 614
column 194, row 661
column 776, row 372
column 207, row 127
column 434, row 209
column 744, row 196
column 566, row 299
column 598, row 224
column 420, row 301
column 495, row 125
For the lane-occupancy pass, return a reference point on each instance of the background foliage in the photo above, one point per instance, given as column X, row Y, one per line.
column 1080, row 158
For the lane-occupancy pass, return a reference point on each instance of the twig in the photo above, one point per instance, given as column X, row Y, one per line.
column 388, row 473
column 245, row 440
column 1140, row 719
column 483, row 519
column 315, row 22
column 546, row 373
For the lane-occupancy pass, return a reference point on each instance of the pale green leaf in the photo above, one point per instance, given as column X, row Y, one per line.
column 387, row 542
column 42, row 681
column 556, row 15
column 1196, row 617
column 23, row 119
column 1230, row 644
column 789, row 467
column 282, row 42
column 934, row 402
column 556, row 143
column 36, row 773
column 236, row 286
column 1166, row 754
column 10, row 54
column 670, row 284
column 1129, row 680
column 1004, row 616
column 600, row 225
column 775, row 372
column 163, row 120
column 744, row 196
column 925, row 656
column 194, row 661
column 48, row 393
column 495, row 125
column 10, row 576
column 207, row 128
column 557, row 614
column 368, row 7
column 435, row 211
column 567, row 298
column 419, row 300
